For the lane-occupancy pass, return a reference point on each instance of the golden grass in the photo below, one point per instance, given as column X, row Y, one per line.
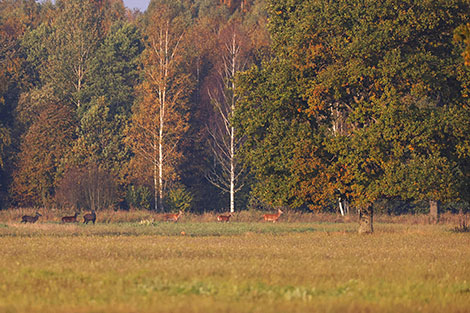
column 237, row 267
column 51, row 215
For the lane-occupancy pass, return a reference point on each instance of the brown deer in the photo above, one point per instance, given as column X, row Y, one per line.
column 30, row 219
column 70, row 219
column 272, row 217
column 224, row 218
column 90, row 217
column 172, row 216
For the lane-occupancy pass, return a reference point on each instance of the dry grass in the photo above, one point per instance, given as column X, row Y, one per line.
column 136, row 216
column 236, row 267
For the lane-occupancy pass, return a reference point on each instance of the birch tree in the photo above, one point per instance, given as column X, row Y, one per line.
column 159, row 120
column 225, row 144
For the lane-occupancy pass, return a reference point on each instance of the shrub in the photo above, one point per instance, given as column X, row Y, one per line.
column 179, row 199
column 91, row 188
column 138, row 197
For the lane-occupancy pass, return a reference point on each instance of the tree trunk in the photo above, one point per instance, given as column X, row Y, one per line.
column 232, row 187
column 232, row 166
column 433, row 211
column 346, row 207
column 365, row 220
column 155, row 185
column 155, row 171
column 232, row 129
column 225, row 143
column 160, row 167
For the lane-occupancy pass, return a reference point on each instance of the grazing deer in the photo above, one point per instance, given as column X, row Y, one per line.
column 272, row 217
column 30, row 219
column 172, row 217
column 224, row 218
column 70, row 219
column 89, row 217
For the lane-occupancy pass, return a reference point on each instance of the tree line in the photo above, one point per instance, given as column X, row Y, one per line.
column 211, row 104
column 106, row 107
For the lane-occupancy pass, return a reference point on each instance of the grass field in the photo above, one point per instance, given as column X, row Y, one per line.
column 235, row 267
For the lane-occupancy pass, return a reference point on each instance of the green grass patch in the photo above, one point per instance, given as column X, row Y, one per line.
column 191, row 229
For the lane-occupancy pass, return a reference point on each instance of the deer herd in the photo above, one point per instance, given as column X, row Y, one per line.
column 90, row 217
column 169, row 217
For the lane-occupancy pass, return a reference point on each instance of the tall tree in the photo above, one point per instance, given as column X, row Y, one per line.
column 234, row 57
column 114, row 68
column 75, row 37
column 100, row 140
column 43, row 149
column 283, row 146
column 159, row 119
column 210, row 33
column 201, row 57
column 107, row 102
column 16, row 17
column 381, row 67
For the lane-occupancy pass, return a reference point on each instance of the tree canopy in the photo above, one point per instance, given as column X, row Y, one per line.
column 377, row 87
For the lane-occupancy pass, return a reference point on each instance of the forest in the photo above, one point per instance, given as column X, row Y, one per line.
column 204, row 105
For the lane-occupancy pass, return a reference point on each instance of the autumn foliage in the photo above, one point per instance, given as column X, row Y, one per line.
column 312, row 105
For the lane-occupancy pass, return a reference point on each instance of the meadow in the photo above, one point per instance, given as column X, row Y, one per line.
column 197, row 265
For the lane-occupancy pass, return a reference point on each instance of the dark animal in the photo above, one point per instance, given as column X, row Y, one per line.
column 70, row 219
column 90, row 217
column 224, row 218
column 30, row 219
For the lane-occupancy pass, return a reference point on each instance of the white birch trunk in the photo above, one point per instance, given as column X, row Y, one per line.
column 161, row 74
column 160, row 156
column 232, row 172
column 155, row 174
column 232, row 129
column 225, row 144
column 341, row 207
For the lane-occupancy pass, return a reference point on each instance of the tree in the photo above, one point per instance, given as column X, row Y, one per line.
column 100, row 141
column 200, row 57
column 225, row 144
column 374, row 81
column 73, row 59
column 107, row 103
column 159, row 119
column 76, row 32
column 283, row 146
column 390, row 80
column 461, row 115
column 462, row 33
column 16, row 17
column 44, row 148
column 210, row 31
column 114, row 68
